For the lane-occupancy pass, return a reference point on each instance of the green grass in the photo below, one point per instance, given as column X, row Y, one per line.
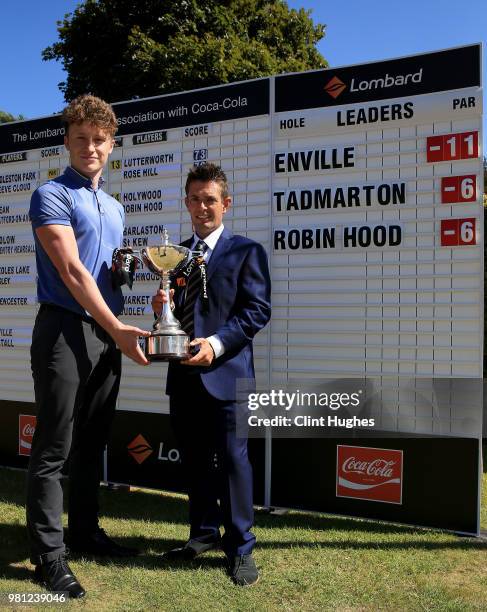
column 307, row 561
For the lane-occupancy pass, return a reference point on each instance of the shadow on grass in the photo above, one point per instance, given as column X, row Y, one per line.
column 135, row 504
column 14, row 550
column 138, row 504
column 164, row 508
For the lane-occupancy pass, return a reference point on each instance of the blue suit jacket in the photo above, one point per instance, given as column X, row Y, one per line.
column 239, row 288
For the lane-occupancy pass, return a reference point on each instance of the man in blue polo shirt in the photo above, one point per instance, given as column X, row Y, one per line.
column 76, row 346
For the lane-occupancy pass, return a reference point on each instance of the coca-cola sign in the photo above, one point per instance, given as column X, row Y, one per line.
column 369, row 473
column 27, row 427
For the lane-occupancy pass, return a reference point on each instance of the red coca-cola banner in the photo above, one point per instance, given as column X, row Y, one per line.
column 369, row 473
column 27, row 427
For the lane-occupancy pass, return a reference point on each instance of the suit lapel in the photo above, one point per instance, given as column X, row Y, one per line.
column 221, row 247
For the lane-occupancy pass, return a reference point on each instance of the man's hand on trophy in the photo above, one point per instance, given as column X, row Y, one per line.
column 158, row 300
column 126, row 338
column 204, row 356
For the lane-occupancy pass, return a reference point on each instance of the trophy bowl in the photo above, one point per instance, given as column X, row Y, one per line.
column 167, row 342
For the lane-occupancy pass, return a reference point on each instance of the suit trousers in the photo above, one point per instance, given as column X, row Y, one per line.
column 76, row 368
column 216, row 466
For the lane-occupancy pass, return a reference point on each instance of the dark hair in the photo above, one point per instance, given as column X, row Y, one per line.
column 92, row 109
column 208, row 172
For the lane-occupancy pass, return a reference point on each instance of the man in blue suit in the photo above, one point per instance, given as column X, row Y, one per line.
column 222, row 301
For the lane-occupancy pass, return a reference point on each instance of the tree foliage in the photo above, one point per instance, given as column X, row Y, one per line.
column 8, row 117
column 121, row 49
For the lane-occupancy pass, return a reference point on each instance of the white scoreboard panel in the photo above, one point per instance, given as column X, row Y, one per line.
column 148, row 178
column 159, row 140
column 364, row 184
column 377, row 220
column 20, row 174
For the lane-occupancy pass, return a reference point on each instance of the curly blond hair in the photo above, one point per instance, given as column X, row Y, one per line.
column 92, row 109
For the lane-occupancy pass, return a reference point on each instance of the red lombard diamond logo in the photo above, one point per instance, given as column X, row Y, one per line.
column 27, row 427
column 334, row 87
column 374, row 474
column 140, row 449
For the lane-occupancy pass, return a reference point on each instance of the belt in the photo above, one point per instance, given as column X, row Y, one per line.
column 59, row 309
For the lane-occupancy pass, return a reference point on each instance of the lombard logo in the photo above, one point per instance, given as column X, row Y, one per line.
column 140, row 450
column 335, row 87
column 27, row 427
column 387, row 81
column 373, row 474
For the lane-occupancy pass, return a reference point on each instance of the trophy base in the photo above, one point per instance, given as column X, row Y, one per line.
column 167, row 347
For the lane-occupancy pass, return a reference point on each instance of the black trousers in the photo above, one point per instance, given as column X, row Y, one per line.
column 76, row 369
column 216, row 465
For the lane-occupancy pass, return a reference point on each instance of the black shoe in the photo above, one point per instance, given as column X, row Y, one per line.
column 58, row 576
column 243, row 571
column 190, row 550
column 98, row 543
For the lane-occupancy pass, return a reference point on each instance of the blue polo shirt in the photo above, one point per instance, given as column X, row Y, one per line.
column 97, row 220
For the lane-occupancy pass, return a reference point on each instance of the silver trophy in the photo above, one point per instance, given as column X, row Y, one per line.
column 167, row 342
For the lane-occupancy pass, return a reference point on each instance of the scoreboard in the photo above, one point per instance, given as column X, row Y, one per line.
column 377, row 219
column 363, row 183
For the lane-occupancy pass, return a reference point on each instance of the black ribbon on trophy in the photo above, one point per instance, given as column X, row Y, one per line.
column 124, row 264
column 199, row 261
